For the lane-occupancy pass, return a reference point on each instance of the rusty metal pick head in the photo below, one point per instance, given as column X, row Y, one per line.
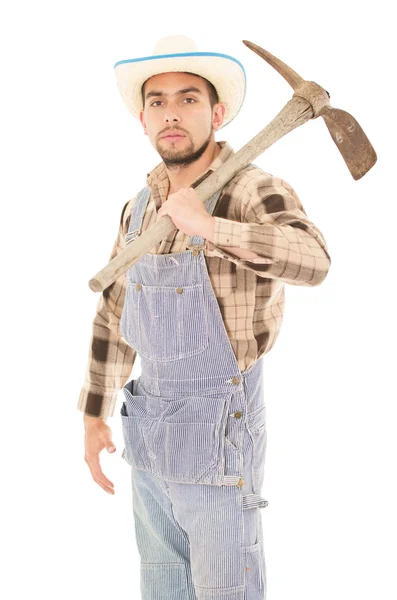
column 350, row 139
column 289, row 74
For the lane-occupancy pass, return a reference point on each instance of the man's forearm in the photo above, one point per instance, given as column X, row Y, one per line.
column 207, row 231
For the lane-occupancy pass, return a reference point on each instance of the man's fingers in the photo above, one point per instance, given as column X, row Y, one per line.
column 97, row 474
column 98, row 436
column 109, row 490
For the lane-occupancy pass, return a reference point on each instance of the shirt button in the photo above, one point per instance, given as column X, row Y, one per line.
column 235, row 380
column 179, row 290
column 138, row 286
column 238, row 414
column 240, row 482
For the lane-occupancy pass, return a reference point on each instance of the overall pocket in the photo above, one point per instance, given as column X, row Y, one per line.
column 179, row 439
column 188, row 437
column 255, row 572
column 137, row 427
column 166, row 323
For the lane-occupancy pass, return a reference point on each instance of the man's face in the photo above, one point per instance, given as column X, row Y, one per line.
column 179, row 103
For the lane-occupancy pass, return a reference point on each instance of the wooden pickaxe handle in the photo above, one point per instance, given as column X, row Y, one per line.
column 295, row 113
column 309, row 101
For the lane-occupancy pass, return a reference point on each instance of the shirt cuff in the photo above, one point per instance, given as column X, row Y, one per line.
column 96, row 403
column 227, row 233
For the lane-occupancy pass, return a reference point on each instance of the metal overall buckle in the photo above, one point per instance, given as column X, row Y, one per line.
column 131, row 233
column 195, row 248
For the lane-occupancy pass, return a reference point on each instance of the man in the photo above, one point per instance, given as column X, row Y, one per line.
column 201, row 310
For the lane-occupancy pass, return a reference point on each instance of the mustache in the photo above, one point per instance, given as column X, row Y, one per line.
column 172, row 129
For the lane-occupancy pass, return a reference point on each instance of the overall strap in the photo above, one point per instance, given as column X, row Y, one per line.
column 137, row 215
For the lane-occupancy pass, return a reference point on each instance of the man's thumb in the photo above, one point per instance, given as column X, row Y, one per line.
column 110, row 447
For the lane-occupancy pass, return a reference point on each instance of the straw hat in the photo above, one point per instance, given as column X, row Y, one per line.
column 180, row 53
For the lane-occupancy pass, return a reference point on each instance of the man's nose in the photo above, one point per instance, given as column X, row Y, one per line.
column 171, row 116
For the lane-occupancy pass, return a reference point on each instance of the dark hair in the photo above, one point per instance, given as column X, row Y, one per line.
column 212, row 93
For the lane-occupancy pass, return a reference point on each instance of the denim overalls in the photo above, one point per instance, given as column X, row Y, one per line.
column 194, row 430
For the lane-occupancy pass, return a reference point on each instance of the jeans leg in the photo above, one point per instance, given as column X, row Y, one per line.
column 162, row 543
column 224, row 529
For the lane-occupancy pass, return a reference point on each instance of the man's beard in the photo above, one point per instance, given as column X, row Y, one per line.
column 178, row 159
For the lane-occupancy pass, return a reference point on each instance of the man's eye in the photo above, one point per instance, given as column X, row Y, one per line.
column 155, row 102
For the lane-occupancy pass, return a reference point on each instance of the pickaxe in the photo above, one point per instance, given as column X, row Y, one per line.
column 309, row 101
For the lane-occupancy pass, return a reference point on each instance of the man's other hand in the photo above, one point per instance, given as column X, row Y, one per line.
column 98, row 436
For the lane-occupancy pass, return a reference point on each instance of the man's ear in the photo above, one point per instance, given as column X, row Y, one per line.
column 218, row 116
column 142, row 120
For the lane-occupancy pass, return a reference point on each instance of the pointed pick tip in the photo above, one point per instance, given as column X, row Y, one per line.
column 359, row 173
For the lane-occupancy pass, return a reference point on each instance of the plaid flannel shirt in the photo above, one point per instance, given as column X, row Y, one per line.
column 256, row 211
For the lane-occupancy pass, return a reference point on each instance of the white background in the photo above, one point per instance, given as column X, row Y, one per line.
column 72, row 155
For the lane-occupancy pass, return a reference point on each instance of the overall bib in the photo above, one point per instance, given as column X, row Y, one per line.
column 194, row 430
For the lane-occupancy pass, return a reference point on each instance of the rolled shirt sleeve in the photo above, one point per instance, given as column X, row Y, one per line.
column 275, row 226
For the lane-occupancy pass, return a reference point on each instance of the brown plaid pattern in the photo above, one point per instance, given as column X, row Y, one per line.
column 256, row 211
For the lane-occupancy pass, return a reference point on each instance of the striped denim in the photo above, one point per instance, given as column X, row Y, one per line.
column 194, row 429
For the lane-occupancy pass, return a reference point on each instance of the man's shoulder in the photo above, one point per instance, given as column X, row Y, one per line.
column 242, row 184
column 254, row 179
column 253, row 175
column 254, row 188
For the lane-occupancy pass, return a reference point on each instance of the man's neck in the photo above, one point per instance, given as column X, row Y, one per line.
column 184, row 177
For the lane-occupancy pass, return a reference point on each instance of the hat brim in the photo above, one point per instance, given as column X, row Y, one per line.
column 226, row 73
